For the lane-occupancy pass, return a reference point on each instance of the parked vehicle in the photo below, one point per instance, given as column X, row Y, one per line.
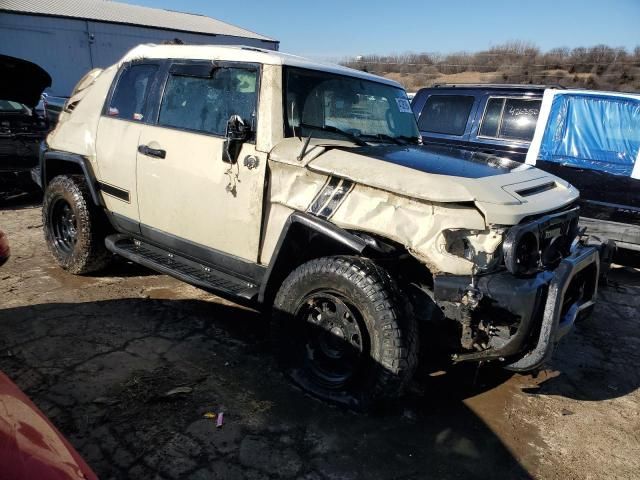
column 5, row 251
column 31, row 446
column 303, row 189
column 52, row 107
column 22, row 128
column 497, row 119
column 592, row 139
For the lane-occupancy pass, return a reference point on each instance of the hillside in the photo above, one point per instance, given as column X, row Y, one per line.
column 599, row 67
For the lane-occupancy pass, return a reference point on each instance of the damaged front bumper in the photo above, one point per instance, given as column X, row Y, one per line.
column 543, row 307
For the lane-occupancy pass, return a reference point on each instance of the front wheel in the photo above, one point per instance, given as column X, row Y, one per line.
column 74, row 228
column 344, row 332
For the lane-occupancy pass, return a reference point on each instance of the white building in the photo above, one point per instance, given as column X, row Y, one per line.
column 69, row 37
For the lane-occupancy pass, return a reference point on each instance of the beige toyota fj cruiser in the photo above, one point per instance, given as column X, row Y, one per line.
column 303, row 189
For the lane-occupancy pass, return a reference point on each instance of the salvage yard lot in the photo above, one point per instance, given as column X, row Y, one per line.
column 100, row 355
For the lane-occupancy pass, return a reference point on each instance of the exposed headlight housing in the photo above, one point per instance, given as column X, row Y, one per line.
column 482, row 248
column 541, row 244
column 522, row 252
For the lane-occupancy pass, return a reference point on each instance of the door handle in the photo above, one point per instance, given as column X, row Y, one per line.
column 152, row 152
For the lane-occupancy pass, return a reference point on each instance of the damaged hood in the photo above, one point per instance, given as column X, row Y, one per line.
column 22, row 81
column 504, row 190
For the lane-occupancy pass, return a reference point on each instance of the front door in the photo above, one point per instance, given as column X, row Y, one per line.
column 187, row 195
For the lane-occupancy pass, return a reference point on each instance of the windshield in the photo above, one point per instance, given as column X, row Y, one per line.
column 326, row 105
column 10, row 106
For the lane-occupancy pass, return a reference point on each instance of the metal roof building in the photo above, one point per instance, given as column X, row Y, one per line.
column 69, row 37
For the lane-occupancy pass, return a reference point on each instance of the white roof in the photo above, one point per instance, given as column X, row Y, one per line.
column 554, row 92
column 244, row 54
column 116, row 12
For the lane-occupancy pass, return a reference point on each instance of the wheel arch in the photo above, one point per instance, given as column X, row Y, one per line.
column 56, row 163
column 306, row 237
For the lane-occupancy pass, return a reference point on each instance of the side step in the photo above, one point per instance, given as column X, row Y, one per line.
column 182, row 268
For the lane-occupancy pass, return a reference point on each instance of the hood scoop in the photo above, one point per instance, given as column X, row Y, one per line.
column 545, row 187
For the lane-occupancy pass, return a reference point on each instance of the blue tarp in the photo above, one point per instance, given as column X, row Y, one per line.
column 598, row 132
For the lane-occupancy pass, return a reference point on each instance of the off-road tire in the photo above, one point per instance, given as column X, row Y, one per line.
column 88, row 252
column 386, row 321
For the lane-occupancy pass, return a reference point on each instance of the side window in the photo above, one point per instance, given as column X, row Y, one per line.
column 519, row 118
column 205, row 104
column 129, row 97
column 446, row 114
column 510, row 118
column 492, row 116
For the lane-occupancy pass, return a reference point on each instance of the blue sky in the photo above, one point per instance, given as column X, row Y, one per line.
column 332, row 29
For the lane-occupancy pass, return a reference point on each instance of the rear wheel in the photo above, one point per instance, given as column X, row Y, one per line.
column 74, row 228
column 344, row 332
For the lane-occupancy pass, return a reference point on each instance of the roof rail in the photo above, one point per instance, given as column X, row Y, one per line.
column 498, row 85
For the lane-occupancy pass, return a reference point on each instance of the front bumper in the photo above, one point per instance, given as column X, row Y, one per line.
column 545, row 306
column 572, row 292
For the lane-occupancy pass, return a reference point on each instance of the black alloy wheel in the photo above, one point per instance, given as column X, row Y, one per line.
column 334, row 341
column 343, row 331
column 74, row 227
column 64, row 228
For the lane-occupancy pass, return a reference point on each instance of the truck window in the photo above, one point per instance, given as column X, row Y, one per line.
column 130, row 94
column 204, row 104
column 510, row 118
column 446, row 114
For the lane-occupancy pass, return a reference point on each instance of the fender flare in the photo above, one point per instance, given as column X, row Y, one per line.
column 302, row 225
column 74, row 158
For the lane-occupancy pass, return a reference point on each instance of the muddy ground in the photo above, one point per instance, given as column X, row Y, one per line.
column 101, row 354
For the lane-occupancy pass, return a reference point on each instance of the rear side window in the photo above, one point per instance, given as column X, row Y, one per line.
column 129, row 97
column 510, row 118
column 205, row 104
column 446, row 114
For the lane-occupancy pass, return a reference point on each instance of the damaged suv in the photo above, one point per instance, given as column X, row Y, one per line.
column 303, row 189
column 22, row 126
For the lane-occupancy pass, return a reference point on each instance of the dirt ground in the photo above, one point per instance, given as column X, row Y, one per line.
column 100, row 355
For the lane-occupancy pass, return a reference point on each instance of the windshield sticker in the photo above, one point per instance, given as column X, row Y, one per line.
column 403, row 105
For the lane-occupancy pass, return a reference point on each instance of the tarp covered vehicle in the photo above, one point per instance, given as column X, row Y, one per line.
column 592, row 139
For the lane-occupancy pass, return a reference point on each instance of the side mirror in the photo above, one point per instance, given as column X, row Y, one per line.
column 237, row 133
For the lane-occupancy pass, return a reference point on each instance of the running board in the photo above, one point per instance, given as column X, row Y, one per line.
column 182, row 268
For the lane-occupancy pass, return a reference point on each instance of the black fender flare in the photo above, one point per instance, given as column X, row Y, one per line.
column 76, row 159
column 300, row 226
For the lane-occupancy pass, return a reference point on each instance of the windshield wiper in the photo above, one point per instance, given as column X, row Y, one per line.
column 408, row 139
column 384, row 136
column 332, row 129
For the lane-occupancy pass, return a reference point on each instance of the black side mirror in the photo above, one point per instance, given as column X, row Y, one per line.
column 237, row 133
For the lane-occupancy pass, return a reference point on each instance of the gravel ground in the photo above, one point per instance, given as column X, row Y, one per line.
column 102, row 356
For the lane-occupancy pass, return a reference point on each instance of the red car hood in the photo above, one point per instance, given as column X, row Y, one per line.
column 5, row 251
column 30, row 446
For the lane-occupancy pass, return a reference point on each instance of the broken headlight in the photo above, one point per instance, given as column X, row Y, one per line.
column 540, row 244
column 482, row 248
column 522, row 253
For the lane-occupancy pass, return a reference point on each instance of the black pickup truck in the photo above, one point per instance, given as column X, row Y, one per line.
column 489, row 118
column 572, row 140
column 53, row 106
